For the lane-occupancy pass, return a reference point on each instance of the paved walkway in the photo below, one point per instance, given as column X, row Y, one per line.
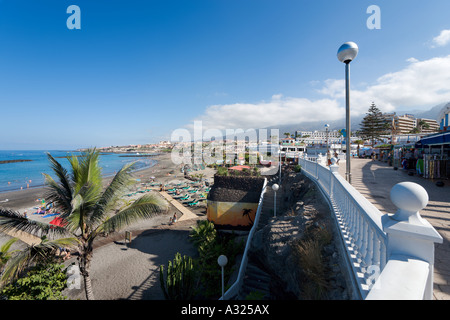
column 375, row 179
column 187, row 214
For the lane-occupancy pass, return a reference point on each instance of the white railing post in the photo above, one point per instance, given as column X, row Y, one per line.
column 411, row 240
column 400, row 245
column 334, row 168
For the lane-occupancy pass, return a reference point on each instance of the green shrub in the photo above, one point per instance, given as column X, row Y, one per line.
column 210, row 245
column 43, row 282
column 222, row 171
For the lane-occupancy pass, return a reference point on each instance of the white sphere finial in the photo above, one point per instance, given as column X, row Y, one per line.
column 409, row 198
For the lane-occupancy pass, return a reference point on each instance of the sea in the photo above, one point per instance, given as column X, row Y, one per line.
column 29, row 174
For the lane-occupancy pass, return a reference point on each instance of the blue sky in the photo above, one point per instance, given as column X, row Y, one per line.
column 137, row 70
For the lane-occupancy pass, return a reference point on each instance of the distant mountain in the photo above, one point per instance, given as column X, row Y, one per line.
column 432, row 113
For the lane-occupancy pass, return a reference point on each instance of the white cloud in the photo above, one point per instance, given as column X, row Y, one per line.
column 278, row 111
column 420, row 84
column 442, row 39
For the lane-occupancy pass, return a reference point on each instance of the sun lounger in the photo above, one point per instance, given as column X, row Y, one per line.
column 50, row 215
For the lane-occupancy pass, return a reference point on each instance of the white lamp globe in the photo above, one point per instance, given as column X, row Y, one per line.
column 347, row 52
column 222, row 260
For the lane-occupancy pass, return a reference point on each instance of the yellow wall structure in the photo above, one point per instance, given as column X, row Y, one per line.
column 231, row 213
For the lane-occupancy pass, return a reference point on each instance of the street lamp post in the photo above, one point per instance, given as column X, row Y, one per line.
column 346, row 54
column 326, row 139
column 275, row 188
column 279, row 166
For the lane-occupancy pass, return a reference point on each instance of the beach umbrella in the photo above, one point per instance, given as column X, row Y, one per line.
column 59, row 222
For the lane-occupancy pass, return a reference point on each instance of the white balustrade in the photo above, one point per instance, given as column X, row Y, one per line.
column 373, row 240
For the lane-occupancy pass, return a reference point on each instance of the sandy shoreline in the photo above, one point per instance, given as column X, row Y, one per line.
column 26, row 198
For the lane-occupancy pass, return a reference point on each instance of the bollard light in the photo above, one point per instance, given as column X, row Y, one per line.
column 222, row 261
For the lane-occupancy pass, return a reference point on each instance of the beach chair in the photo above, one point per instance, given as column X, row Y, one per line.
column 185, row 197
column 193, row 203
column 50, row 215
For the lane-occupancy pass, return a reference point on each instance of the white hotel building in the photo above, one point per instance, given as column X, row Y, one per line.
column 319, row 137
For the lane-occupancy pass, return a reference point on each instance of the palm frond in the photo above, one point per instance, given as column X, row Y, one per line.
column 76, row 171
column 113, row 192
column 91, row 166
column 59, row 193
column 7, row 245
column 14, row 221
column 145, row 207
column 5, row 254
column 86, row 170
column 32, row 255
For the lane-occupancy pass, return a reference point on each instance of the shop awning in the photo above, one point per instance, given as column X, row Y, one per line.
column 435, row 139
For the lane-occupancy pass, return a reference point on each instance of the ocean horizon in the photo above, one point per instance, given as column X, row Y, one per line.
column 28, row 172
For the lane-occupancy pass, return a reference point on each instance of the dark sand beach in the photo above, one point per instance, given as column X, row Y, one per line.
column 122, row 271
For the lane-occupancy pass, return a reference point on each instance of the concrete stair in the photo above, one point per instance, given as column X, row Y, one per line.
column 256, row 280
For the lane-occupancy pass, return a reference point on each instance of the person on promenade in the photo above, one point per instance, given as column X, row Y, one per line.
column 173, row 220
column 404, row 164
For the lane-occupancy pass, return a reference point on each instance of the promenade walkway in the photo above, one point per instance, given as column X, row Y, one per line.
column 375, row 179
column 187, row 214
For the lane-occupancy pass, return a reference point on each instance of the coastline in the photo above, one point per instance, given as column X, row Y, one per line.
column 164, row 171
column 20, row 200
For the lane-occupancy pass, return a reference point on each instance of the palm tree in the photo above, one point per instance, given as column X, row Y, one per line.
column 32, row 255
column 87, row 208
column 246, row 212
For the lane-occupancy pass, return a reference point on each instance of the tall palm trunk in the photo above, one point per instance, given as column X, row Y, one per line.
column 88, row 287
column 85, row 266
